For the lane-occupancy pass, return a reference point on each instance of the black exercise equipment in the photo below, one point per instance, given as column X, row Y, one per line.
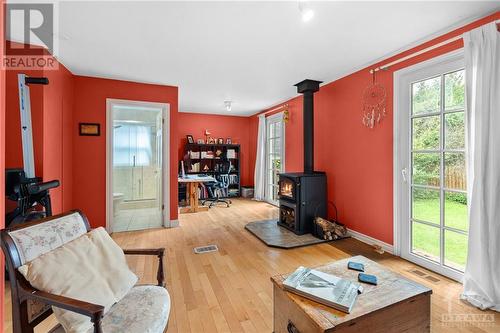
column 21, row 185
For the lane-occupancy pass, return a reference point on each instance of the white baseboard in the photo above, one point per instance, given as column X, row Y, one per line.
column 173, row 224
column 371, row 241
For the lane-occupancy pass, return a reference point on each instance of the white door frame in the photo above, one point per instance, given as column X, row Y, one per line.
column 273, row 118
column 165, row 107
column 401, row 153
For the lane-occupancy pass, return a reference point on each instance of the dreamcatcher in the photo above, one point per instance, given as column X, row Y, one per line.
column 374, row 99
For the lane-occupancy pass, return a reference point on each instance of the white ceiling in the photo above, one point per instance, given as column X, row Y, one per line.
column 248, row 52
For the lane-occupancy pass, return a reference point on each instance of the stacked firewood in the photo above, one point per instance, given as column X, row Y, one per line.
column 331, row 230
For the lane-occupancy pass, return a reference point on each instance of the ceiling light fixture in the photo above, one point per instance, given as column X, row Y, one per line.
column 305, row 11
column 227, row 104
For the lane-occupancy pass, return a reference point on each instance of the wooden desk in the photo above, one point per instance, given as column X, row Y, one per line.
column 395, row 305
column 192, row 192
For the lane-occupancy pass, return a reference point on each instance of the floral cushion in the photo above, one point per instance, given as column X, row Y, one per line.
column 31, row 242
column 145, row 309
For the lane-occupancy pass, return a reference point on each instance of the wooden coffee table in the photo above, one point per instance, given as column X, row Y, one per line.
column 396, row 304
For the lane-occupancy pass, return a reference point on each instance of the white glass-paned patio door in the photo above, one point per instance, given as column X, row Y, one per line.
column 275, row 152
column 430, row 153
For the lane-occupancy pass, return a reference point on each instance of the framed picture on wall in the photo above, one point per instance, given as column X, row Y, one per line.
column 190, row 138
column 220, row 141
column 229, row 141
column 89, row 129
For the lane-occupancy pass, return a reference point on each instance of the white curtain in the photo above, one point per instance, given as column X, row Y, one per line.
column 482, row 70
column 260, row 161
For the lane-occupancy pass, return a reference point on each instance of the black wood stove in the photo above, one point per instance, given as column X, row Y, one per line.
column 303, row 195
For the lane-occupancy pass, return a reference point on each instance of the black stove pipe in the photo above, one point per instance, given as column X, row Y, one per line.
column 308, row 88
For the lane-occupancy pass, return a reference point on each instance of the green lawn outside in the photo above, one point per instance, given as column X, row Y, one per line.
column 426, row 238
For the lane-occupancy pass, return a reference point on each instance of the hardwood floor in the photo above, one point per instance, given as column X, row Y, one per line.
column 230, row 290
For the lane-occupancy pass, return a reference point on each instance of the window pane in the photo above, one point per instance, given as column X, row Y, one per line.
column 454, row 171
column 275, row 177
column 426, row 133
column 425, row 241
column 454, row 130
column 426, row 169
column 454, row 90
column 426, row 96
column 455, row 250
column 426, row 205
column 277, row 146
column 277, row 130
column 455, row 210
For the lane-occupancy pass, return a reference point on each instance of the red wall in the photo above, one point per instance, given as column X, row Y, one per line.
column 57, row 135
column 2, row 157
column 236, row 128
column 358, row 161
column 89, row 153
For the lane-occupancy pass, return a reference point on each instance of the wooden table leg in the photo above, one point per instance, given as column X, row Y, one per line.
column 192, row 197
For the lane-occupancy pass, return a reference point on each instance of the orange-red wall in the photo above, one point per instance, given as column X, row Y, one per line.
column 358, row 161
column 89, row 153
column 236, row 128
column 2, row 157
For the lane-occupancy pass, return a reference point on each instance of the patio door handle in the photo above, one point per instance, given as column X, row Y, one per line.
column 404, row 172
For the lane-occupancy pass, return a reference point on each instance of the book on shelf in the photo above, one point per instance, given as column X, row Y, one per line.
column 231, row 153
column 195, row 167
column 207, row 154
column 323, row 288
column 194, row 154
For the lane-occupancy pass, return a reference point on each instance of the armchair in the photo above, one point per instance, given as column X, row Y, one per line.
column 31, row 306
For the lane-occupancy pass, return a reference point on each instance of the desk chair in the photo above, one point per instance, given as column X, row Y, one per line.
column 217, row 190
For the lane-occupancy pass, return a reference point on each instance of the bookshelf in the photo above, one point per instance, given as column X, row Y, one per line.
column 203, row 159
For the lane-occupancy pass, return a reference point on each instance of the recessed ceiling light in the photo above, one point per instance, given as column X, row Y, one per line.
column 305, row 11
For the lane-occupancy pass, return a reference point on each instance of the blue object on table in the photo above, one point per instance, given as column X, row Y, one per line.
column 357, row 266
column 367, row 278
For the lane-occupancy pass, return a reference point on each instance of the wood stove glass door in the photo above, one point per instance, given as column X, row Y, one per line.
column 275, row 153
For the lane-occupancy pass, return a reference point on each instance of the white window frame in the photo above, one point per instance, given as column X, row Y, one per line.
column 165, row 190
column 277, row 117
column 403, row 78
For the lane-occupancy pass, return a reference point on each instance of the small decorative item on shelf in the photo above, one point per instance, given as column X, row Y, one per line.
column 211, row 140
column 221, row 141
column 218, row 153
column 190, row 138
column 207, row 135
column 200, row 141
column 228, row 141
column 206, row 168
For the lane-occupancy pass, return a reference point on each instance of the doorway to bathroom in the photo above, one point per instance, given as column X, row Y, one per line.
column 136, row 141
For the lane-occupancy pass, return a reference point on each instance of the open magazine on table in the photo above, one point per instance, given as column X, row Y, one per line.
column 323, row 288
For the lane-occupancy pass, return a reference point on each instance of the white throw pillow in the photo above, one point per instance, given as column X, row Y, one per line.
column 91, row 268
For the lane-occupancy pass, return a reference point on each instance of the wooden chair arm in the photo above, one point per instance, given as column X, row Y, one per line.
column 155, row 252
column 94, row 311
column 159, row 252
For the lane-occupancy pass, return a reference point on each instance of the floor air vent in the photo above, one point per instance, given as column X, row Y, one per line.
column 206, row 249
column 417, row 272
column 432, row 278
column 424, row 275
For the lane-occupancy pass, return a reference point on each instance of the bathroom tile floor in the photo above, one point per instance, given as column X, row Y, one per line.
column 136, row 219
